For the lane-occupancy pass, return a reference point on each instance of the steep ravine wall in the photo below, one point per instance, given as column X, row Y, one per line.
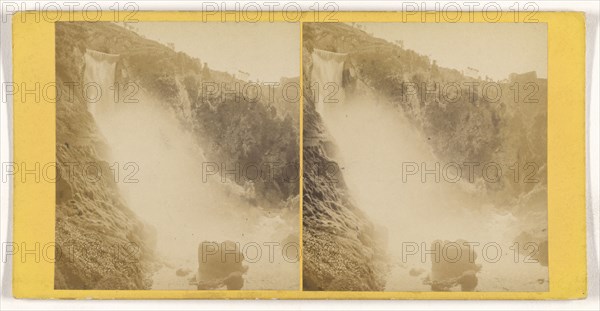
column 103, row 245
column 342, row 249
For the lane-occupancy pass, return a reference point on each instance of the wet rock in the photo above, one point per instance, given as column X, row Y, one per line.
column 416, row 272
column 182, row 272
column 468, row 281
column 234, row 281
column 456, row 266
column 533, row 246
column 220, row 264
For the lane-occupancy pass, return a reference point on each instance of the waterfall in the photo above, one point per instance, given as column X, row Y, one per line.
column 376, row 142
column 99, row 81
column 159, row 167
column 327, row 74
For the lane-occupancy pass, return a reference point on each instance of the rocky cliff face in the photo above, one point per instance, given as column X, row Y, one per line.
column 103, row 245
column 342, row 249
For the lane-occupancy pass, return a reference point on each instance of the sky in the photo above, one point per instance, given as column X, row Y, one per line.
column 495, row 49
column 267, row 51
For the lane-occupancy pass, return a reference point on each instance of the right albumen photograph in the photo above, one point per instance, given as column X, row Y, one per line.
column 425, row 157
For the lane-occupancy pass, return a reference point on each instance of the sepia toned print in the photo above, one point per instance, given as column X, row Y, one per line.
column 425, row 157
column 177, row 151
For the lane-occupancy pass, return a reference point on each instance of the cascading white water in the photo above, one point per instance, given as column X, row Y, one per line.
column 329, row 90
column 99, row 81
column 160, row 174
column 376, row 144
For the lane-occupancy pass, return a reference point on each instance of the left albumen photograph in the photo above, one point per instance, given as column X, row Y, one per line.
column 177, row 149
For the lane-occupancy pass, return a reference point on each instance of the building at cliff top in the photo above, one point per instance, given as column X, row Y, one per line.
column 523, row 77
